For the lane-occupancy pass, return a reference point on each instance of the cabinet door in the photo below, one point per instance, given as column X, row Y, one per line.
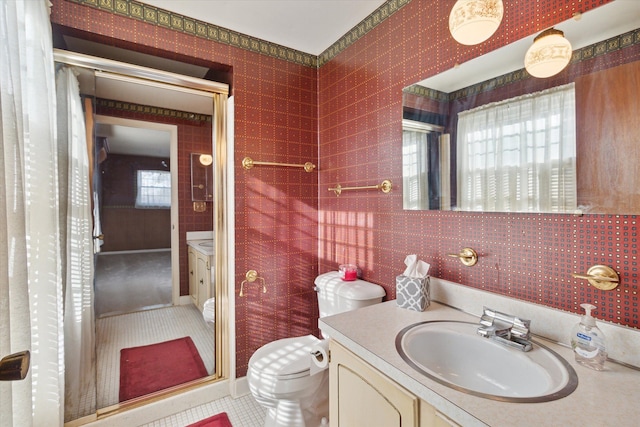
column 204, row 279
column 430, row 417
column 361, row 396
column 193, row 283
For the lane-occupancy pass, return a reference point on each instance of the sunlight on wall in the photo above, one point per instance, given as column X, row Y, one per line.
column 347, row 237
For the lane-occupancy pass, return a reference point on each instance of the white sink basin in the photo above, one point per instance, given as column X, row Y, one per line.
column 453, row 354
column 206, row 244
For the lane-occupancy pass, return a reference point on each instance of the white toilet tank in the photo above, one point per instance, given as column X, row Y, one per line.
column 336, row 295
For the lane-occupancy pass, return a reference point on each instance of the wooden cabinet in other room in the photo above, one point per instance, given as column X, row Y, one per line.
column 199, row 277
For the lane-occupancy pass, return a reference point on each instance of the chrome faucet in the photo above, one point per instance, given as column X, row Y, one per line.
column 505, row 329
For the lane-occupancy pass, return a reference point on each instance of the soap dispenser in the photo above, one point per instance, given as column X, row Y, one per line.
column 588, row 341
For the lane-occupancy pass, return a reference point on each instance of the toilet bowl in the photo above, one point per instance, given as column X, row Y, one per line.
column 279, row 373
column 280, row 381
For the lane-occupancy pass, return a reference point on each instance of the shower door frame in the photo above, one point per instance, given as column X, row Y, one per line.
column 223, row 235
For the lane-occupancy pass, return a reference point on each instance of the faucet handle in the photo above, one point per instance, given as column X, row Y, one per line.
column 521, row 328
column 496, row 323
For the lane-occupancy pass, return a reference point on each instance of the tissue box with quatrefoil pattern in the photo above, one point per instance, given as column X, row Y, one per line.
column 412, row 292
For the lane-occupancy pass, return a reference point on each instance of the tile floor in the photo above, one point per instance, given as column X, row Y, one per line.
column 142, row 328
column 242, row 412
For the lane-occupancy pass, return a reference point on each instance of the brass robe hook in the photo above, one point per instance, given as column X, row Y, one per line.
column 601, row 277
column 467, row 256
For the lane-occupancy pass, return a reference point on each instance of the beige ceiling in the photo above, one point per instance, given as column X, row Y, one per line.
column 310, row 26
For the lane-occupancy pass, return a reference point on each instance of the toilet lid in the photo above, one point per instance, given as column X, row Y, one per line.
column 289, row 357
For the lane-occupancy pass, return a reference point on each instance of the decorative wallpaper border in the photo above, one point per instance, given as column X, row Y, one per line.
column 155, row 111
column 369, row 23
column 143, row 12
column 604, row 47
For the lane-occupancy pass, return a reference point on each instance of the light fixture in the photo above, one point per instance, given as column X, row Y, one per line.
column 548, row 55
column 206, row 159
column 474, row 21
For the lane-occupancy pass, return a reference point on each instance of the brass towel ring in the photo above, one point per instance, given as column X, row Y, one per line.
column 251, row 277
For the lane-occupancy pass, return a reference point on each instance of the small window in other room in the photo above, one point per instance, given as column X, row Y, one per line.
column 154, row 190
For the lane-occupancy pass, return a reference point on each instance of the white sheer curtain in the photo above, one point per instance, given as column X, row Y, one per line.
column 415, row 174
column 519, row 155
column 30, row 259
column 77, row 248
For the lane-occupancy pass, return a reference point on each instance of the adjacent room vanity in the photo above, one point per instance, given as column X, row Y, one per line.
column 369, row 380
column 200, row 271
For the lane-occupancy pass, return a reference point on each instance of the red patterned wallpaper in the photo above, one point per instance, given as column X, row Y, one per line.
column 526, row 256
column 289, row 227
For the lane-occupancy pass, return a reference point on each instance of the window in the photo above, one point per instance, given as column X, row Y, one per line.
column 423, row 175
column 519, row 155
column 154, row 190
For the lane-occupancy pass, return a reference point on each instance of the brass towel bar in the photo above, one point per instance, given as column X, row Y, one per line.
column 248, row 163
column 385, row 187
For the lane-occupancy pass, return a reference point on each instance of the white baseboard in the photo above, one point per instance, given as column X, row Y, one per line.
column 165, row 407
column 240, row 387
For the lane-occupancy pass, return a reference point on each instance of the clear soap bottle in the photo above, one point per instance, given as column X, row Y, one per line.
column 588, row 341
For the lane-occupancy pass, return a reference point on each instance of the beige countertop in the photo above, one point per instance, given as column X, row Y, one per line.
column 204, row 246
column 606, row 398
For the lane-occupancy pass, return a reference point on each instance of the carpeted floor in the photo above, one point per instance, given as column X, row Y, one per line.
column 128, row 282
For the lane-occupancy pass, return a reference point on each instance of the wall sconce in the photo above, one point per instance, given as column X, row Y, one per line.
column 206, row 159
column 474, row 21
column 548, row 55
column 201, row 181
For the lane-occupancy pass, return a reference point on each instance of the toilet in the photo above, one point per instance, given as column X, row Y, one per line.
column 279, row 372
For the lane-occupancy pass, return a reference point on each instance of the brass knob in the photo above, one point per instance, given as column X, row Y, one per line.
column 385, row 186
column 247, row 163
column 251, row 276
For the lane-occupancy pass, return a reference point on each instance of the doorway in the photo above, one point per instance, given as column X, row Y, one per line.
column 137, row 267
column 186, row 95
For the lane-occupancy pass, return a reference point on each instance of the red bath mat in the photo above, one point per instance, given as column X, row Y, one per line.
column 154, row 367
column 220, row 420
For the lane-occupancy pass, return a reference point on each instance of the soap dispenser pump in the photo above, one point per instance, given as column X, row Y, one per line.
column 588, row 341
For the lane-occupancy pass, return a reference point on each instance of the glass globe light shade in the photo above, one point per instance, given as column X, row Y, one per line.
column 206, row 159
column 548, row 55
column 474, row 21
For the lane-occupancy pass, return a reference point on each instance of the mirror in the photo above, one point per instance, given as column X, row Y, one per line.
column 201, row 177
column 602, row 68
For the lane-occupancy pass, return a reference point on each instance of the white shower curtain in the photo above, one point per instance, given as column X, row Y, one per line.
column 76, row 225
column 30, row 259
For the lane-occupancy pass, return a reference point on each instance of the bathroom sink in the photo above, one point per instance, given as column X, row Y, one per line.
column 453, row 354
column 206, row 244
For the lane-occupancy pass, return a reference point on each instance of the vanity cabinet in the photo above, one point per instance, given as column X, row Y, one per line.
column 193, row 288
column 199, row 277
column 361, row 395
column 203, row 278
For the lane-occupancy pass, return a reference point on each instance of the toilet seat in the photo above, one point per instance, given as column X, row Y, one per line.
column 284, row 359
